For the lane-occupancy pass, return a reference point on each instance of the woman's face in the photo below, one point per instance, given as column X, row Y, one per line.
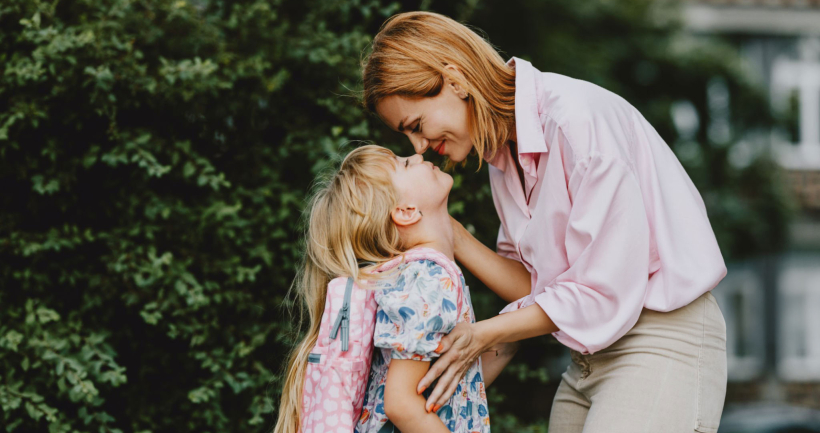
column 421, row 184
column 437, row 122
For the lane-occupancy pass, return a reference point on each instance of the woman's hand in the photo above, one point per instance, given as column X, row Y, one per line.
column 458, row 234
column 460, row 349
column 467, row 341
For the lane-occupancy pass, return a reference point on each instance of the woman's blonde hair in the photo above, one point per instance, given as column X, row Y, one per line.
column 348, row 223
column 408, row 58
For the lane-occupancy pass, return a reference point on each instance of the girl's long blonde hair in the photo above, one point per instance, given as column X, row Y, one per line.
column 408, row 58
column 348, row 222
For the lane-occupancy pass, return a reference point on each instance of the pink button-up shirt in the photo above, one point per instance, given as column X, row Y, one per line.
column 607, row 221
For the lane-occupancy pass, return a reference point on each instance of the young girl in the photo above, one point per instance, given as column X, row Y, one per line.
column 375, row 207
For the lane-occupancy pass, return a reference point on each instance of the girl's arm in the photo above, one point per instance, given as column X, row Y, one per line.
column 402, row 405
column 508, row 278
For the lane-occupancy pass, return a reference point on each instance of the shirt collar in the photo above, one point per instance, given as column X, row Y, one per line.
column 528, row 130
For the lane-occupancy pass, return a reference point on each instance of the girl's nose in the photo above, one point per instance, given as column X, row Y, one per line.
column 416, row 159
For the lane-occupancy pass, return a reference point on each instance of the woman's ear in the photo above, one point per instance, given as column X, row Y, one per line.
column 459, row 91
column 406, row 216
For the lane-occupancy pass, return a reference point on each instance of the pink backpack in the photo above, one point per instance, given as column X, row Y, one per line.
column 338, row 369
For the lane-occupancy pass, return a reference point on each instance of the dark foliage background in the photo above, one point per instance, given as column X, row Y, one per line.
column 155, row 156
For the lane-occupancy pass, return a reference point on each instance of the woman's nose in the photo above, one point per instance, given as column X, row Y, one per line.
column 420, row 144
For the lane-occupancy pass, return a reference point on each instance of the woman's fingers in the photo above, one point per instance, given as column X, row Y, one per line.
column 459, row 350
column 451, row 385
column 445, row 344
column 441, row 388
column 437, row 367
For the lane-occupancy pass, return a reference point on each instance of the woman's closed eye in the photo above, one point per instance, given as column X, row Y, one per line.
column 417, row 128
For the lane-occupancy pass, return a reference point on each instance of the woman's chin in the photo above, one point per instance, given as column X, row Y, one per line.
column 459, row 156
column 457, row 159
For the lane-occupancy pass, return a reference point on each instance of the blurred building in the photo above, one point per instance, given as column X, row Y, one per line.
column 772, row 304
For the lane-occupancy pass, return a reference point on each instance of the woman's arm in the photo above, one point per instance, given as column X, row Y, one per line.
column 508, row 278
column 494, row 360
column 402, row 405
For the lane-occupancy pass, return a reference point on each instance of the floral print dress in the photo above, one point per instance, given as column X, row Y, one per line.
column 415, row 310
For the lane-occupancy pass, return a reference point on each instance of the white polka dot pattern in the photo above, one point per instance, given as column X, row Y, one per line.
column 334, row 387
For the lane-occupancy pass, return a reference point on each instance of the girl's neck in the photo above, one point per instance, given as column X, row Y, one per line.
column 433, row 231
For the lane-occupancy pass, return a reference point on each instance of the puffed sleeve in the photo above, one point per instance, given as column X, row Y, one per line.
column 416, row 312
column 600, row 296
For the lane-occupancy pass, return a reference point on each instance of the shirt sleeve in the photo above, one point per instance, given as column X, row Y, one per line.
column 600, row 296
column 416, row 312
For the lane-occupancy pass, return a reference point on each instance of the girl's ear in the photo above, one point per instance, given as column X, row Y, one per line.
column 459, row 91
column 406, row 216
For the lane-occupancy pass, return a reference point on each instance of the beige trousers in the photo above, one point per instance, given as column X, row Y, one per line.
column 667, row 374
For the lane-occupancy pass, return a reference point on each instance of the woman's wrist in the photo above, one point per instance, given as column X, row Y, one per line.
column 486, row 334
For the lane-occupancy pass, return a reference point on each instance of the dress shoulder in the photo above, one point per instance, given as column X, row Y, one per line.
column 416, row 311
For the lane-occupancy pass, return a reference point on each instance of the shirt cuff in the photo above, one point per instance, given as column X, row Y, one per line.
column 551, row 308
column 561, row 336
column 509, row 255
column 526, row 301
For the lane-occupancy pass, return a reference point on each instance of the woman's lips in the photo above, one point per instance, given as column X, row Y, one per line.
column 440, row 148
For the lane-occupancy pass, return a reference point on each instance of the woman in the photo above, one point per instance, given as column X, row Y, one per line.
column 604, row 240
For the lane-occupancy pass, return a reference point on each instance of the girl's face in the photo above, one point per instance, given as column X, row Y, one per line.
column 437, row 122
column 420, row 184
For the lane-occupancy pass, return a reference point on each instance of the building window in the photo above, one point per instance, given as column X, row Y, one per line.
column 795, row 94
column 799, row 312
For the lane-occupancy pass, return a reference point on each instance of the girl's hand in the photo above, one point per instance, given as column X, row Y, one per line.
column 460, row 349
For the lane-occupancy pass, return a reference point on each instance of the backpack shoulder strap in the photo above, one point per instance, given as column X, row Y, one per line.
column 343, row 318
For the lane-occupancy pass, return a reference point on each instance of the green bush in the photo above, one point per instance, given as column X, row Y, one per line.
column 154, row 159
